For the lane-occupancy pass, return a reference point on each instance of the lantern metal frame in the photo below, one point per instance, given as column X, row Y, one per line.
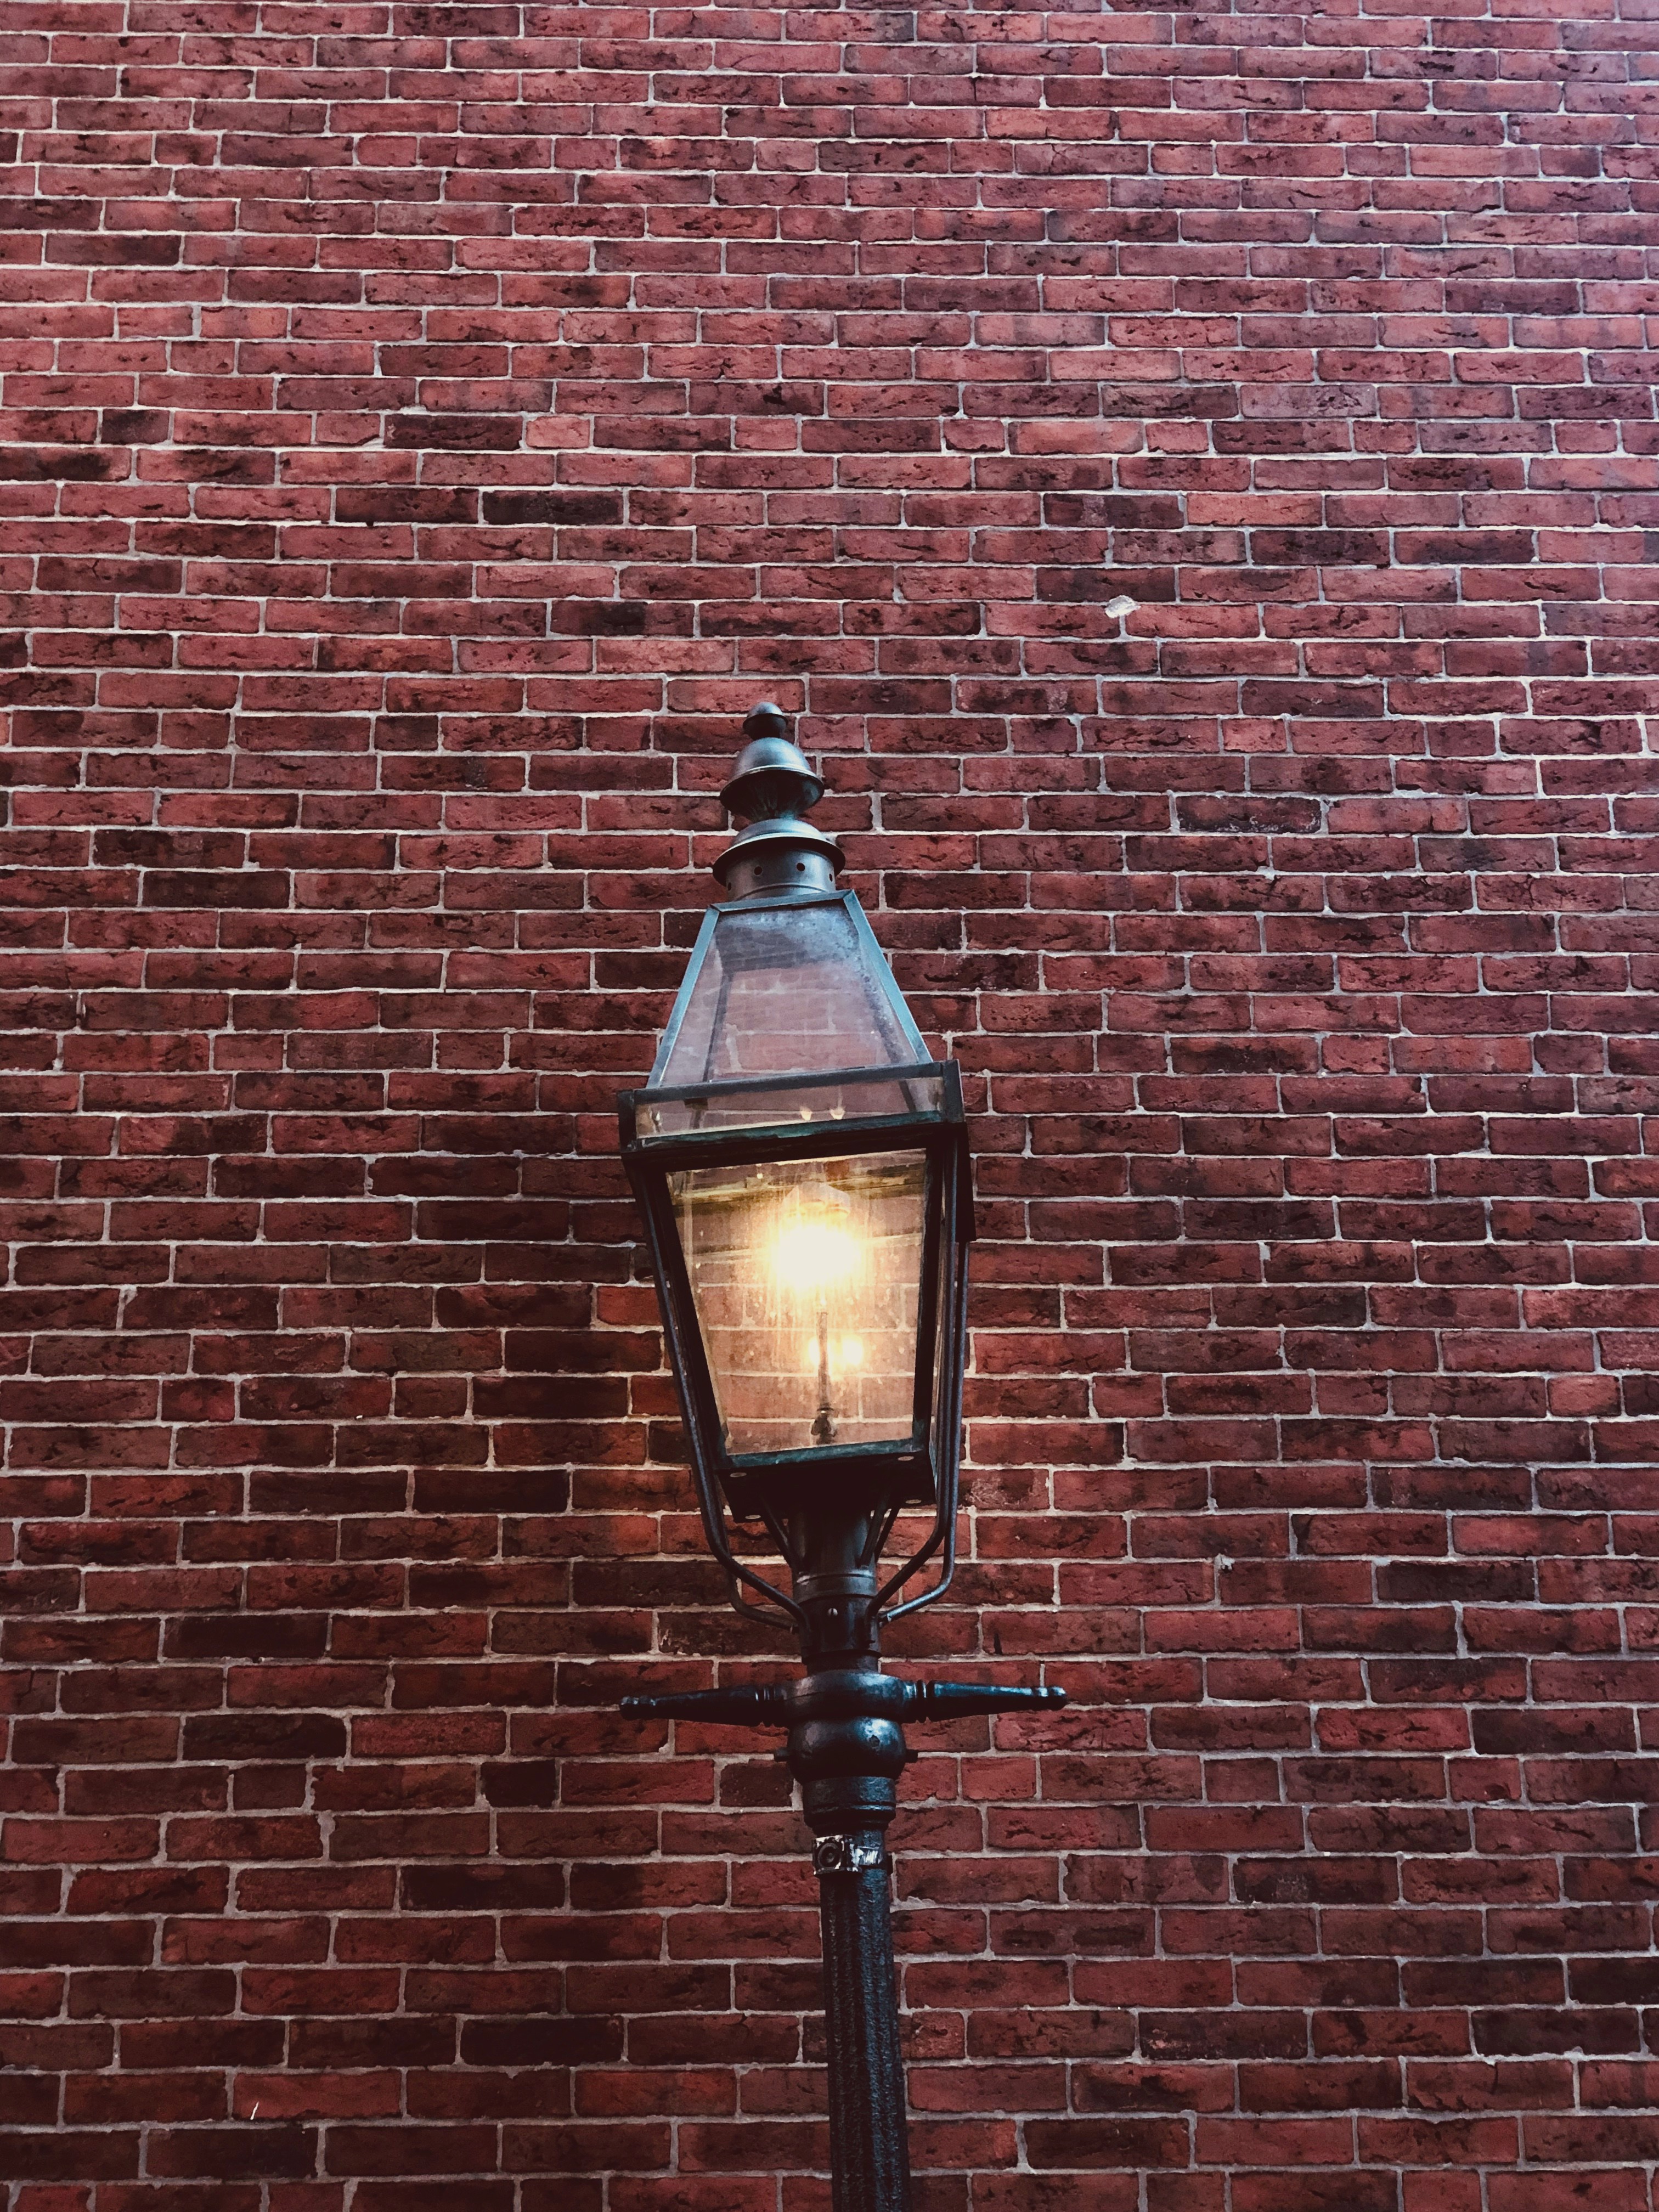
column 759, row 1487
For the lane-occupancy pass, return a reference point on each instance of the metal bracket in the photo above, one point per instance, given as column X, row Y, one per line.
column 848, row 1855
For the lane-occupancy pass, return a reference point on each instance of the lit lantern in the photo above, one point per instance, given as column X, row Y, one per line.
column 801, row 1164
column 802, row 1167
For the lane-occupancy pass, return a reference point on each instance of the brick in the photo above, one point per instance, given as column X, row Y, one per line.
column 385, row 571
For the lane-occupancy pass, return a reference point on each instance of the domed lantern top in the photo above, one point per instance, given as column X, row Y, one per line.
column 801, row 1164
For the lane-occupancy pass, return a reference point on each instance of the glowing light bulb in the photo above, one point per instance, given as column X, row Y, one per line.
column 813, row 1255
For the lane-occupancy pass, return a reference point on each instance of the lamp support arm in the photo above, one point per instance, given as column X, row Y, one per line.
column 775, row 1705
column 735, row 1708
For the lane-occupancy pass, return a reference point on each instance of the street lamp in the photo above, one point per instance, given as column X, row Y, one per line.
column 801, row 1164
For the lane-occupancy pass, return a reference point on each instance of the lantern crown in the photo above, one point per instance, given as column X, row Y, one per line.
column 773, row 789
column 772, row 776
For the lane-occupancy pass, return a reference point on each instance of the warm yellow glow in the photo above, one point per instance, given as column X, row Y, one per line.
column 813, row 1255
column 807, row 1276
column 844, row 1352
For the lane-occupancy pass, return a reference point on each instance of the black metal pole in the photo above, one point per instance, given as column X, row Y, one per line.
column 847, row 1750
column 869, row 2150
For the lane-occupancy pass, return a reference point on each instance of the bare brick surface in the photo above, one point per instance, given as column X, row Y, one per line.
column 424, row 431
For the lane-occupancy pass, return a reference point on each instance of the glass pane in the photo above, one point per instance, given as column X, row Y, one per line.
column 798, row 1102
column 787, row 988
column 806, row 1276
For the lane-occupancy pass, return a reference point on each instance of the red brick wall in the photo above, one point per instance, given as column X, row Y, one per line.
column 425, row 431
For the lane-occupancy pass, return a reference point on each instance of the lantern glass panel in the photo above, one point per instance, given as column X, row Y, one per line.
column 806, row 1279
column 781, row 989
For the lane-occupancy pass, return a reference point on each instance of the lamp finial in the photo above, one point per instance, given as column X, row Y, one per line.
column 773, row 789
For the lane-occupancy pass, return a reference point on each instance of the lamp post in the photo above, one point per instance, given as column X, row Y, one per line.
column 802, row 1167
